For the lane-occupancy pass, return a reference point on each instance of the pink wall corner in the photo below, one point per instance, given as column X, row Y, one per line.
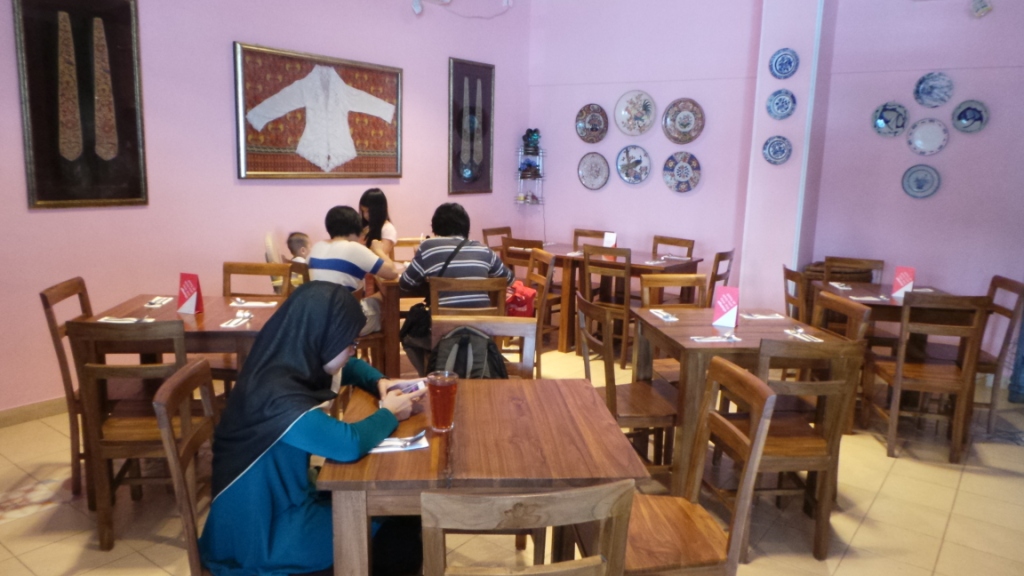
column 200, row 214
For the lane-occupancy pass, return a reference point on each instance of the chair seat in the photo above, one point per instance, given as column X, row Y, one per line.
column 928, row 376
column 638, row 402
column 987, row 363
column 667, row 369
column 789, row 436
column 666, row 532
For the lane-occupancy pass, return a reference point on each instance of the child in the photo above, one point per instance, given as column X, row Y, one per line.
column 298, row 245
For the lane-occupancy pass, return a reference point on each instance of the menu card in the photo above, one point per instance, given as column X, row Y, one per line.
column 903, row 282
column 609, row 240
column 190, row 297
column 727, row 304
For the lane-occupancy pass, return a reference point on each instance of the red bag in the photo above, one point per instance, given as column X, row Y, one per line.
column 519, row 300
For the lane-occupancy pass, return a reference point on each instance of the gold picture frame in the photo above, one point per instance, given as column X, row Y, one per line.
column 470, row 127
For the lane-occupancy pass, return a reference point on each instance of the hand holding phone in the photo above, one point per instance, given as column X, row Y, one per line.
column 408, row 387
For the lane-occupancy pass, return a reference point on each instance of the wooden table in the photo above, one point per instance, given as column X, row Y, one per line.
column 887, row 310
column 509, row 435
column 571, row 262
column 674, row 339
column 203, row 332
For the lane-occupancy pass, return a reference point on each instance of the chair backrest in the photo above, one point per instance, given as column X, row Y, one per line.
column 652, row 286
column 840, row 264
column 516, row 251
column 271, row 250
column 51, row 297
column 609, row 505
column 1012, row 310
column 540, row 270
column 858, row 316
column 833, row 387
column 173, row 403
column 720, row 270
column 581, row 236
column 448, row 287
column 610, row 263
column 931, row 314
column 759, row 401
column 794, row 289
column 686, row 245
column 594, row 326
column 493, row 236
column 276, row 272
column 407, row 243
column 299, row 274
column 506, row 326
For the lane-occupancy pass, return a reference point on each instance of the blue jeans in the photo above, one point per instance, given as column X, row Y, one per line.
column 1017, row 378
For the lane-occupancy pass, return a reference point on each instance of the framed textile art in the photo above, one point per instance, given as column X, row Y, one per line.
column 306, row 116
column 81, row 103
column 470, row 127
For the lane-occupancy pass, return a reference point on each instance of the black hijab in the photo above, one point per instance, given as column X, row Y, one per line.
column 284, row 375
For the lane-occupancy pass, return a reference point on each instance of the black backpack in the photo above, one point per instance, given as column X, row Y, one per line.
column 469, row 353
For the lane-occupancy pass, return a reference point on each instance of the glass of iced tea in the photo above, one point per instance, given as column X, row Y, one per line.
column 441, row 387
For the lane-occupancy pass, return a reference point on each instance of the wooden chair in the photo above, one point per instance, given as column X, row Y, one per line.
column 182, row 441
column 516, row 251
column 651, row 290
column 114, row 431
column 581, row 236
column 495, row 288
column 497, row 234
column 51, row 297
column 672, row 535
column 855, row 320
column 722, row 259
column 794, row 288
column 539, row 273
column 835, row 264
column 612, row 267
column 273, row 270
column 607, row 505
column 1007, row 302
column 683, row 247
column 299, row 274
column 926, row 314
column 507, row 326
column 636, row 405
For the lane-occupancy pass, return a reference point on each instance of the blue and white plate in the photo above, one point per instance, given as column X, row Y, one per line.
column 781, row 104
column 970, row 116
column 633, row 164
column 784, row 63
column 933, row 90
column 921, row 181
column 927, row 137
column 682, row 172
column 890, row 119
column 777, row 150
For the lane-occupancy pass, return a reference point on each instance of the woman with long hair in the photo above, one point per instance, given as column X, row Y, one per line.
column 373, row 205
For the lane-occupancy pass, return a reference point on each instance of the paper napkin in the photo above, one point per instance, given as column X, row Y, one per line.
column 248, row 304
column 395, row 445
column 158, row 301
column 609, row 240
column 665, row 316
column 840, row 286
column 775, row 316
column 803, row 336
column 716, row 339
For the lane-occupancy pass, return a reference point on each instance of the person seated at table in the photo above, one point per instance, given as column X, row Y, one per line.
column 373, row 207
column 472, row 259
column 345, row 260
column 298, row 245
column 266, row 516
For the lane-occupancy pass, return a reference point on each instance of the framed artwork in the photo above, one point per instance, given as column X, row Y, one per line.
column 306, row 116
column 81, row 103
column 470, row 127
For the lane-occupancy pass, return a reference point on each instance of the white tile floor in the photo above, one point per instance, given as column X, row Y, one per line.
column 916, row 514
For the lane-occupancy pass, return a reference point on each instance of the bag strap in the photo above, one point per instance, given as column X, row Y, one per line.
column 452, row 256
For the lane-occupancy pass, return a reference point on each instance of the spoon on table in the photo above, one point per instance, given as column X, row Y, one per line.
column 413, row 439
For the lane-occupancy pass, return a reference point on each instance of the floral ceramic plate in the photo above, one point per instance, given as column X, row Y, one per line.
column 635, row 112
column 781, row 104
column 927, row 137
column 890, row 119
column 784, row 63
column 933, row 90
column 777, row 150
column 970, row 116
column 921, row 181
column 591, row 123
column 593, row 170
column 683, row 121
column 682, row 172
column 633, row 164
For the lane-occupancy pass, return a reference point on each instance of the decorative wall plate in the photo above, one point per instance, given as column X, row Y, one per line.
column 591, row 123
column 682, row 172
column 683, row 121
column 777, row 150
column 927, row 137
column 970, row 116
column 781, row 104
column 784, row 63
column 633, row 164
column 593, row 171
column 890, row 119
column 933, row 90
column 921, row 181
column 635, row 112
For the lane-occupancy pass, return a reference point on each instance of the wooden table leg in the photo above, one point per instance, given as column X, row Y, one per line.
column 643, row 360
column 567, row 315
column 390, row 313
column 351, row 533
column 693, row 368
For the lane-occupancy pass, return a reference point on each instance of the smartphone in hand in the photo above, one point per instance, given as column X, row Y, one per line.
column 409, row 387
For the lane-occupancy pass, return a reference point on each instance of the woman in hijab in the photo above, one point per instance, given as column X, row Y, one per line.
column 266, row 517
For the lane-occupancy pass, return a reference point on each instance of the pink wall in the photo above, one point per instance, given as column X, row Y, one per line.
column 200, row 214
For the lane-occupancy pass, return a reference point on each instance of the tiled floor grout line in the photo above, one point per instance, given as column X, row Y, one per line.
column 949, row 518
column 874, row 498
